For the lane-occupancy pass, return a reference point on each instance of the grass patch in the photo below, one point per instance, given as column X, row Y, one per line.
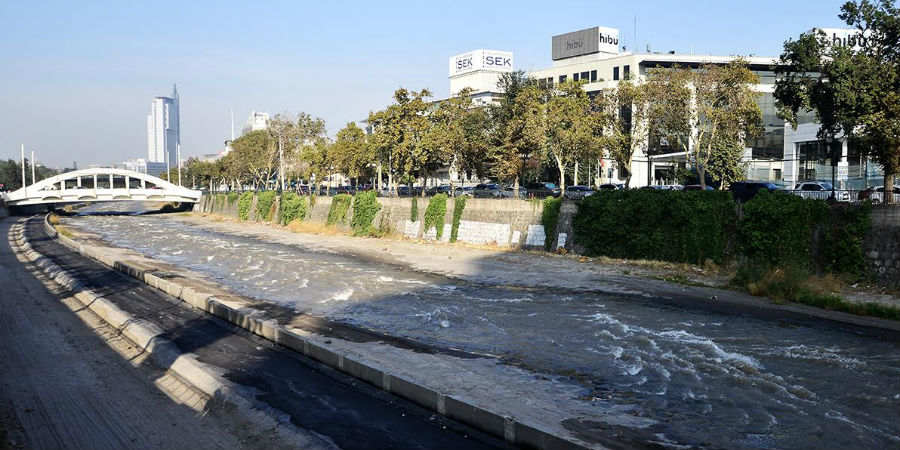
column 54, row 219
column 306, row 227
column 794, row 283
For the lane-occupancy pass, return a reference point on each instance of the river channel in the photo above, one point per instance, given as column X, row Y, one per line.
column 713, row 380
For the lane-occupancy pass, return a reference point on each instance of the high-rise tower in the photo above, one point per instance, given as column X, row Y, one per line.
column 163, row 130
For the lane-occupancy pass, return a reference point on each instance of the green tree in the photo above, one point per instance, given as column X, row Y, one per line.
column 624, row 109
column 254, row 156
column 570, row 132
column 351, row 154
column 853, row 91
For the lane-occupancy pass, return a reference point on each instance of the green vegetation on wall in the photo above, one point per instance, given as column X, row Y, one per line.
column 459, row 204
column 232, row 196
column 549, row 218
column 245, row 202
column 340, row 204
column 680, row 226
column 265, row 205
column 434, row 215
column 414, row 210
column 365, row 206
column 293, row 207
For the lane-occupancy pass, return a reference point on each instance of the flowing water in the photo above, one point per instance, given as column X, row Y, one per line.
column 712, row 380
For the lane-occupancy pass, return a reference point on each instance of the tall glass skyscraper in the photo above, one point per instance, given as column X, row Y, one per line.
column 163, row 130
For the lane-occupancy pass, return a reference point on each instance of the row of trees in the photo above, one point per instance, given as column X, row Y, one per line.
column 534, row 129
column 11, row 173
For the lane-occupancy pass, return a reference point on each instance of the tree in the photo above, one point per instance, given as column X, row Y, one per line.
column 711, row 112
column 509, row 134
column 351, row 154
column 625, row 109
column 570, row 133
column 400, row 131
column 457, row 134
column 853, row 91
column 11, row 173
column 255, row 155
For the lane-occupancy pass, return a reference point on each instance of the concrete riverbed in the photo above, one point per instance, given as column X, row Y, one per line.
column 684, row 376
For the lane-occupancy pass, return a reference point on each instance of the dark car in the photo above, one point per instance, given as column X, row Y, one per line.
column 612, row 187
column 510, row 192
column 697, row 187
column 442, row 189
column 875, row 194
column 464, row 191
column 578, row 192
column 542, row 189
column 743, row 191
column 487, row 190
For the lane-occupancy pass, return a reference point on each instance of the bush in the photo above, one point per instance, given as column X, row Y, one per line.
column 365, row 206
column 293, row 207
column 265, row 205
column 414, row 210
column 674, row 226
column 232, row 196
column 245, row 202
column 434, row 215
column 549, row 218
column 340, row 204
column 781, row 230
column 459, row 204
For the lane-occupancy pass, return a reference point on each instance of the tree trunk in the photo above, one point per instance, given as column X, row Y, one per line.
column 701, row 171
column 562, row 176
column 575, row 180
column 378, row 178
column 889, row 187
column 516, row 187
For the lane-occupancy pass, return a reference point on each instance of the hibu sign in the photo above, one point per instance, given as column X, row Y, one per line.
column 585, row 42
column 492, row 60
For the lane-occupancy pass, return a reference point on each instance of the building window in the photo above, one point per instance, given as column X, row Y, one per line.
column 574, row 77
column 585, row 75
column 562, row 78
column 615, row 73
column 626, row 71
column 593, row 76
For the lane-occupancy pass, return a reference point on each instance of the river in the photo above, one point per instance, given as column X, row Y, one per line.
column 713, row 380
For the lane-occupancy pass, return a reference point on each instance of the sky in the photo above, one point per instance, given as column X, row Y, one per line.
column 76, row 78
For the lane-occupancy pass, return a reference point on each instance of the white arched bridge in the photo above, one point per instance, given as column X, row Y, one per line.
column 100, row 185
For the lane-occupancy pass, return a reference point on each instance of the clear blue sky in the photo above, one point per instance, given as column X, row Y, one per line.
column 76, row 78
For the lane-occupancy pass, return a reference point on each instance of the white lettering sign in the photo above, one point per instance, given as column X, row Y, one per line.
column 491, row 60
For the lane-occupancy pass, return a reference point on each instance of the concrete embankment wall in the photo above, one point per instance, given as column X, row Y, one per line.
column 504, row 222
column 882, row 246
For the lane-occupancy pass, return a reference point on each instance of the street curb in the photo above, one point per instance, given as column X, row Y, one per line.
column 165, row 354
column 505, row 427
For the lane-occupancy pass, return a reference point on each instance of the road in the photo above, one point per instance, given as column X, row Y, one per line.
column 65, row 383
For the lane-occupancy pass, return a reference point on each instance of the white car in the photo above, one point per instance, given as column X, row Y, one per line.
column 819, row 190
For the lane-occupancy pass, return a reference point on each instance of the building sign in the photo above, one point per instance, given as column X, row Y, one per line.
column 843, row 37
column 491, row 60
column 586, row 42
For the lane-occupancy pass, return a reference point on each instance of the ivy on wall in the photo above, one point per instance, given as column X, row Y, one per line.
column 459, row 204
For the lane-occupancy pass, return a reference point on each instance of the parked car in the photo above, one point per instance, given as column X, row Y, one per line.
column 487, row 190
column 612, row 187
column 697, row 187
column 442, row 189
column 875, row 194
column 542, row 189
column 743, row 191
column 820, row 190
column 303, row 189
column 578, row 192
column 510, row 192
column 464, row 191
column 344, row 190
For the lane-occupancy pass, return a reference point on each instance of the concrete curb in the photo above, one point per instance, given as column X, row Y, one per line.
column 508, row 428
column 148, row 337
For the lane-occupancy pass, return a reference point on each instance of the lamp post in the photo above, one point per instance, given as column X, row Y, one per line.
column 829, row 141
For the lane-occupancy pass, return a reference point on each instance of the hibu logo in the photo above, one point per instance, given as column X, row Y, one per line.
column 572, row 45
column 848, row 41
column 609, row 39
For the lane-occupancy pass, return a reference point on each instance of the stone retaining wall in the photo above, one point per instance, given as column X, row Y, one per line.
column 882, row 246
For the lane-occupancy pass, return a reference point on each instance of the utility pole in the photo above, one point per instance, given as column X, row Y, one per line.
column 32, row 166
column 178, row 149
column 280, row 163
column 23, row 165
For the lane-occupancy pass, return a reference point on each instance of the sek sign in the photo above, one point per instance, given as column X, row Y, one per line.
column 492, row 60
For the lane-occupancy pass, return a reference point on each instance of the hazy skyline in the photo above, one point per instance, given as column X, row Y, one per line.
column 78, row 78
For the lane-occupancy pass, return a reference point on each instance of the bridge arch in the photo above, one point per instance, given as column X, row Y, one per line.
column 101, row 185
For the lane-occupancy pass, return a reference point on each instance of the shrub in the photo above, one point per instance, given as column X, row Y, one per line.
column 459, row 204
column 232, row 196
column 340, row 204
column 245, row 202
column 434, row 215
column 674, row 226
column 781, row 230
column 293, row 207
column 265, row 204
column 414, row 210
column 365, row 206
column 549, row 218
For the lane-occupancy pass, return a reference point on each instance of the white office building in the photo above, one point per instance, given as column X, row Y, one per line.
column 479, row 70
column 164, row 130
column 257, row 121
